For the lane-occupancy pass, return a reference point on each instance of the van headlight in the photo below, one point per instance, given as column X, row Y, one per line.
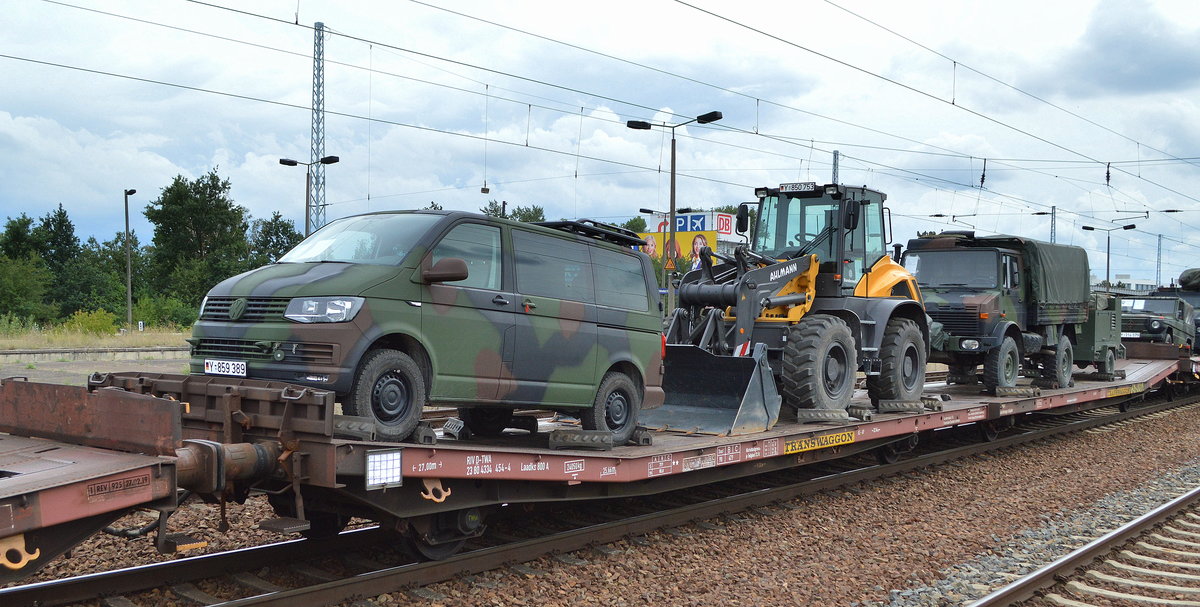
column 323, row 309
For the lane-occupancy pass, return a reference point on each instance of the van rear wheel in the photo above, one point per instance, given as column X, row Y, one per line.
column 390, row 389
column 618, row 401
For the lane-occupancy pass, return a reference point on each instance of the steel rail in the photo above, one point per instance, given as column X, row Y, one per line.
column 1025, row 588
column 418, row 574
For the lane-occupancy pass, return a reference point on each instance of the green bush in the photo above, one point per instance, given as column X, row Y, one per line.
column 97, row 322
column 164, row 312
column 12, row 325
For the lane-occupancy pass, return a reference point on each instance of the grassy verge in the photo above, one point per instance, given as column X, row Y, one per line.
column 60, row 337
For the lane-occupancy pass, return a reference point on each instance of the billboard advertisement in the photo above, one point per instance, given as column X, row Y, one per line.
column 685, row 249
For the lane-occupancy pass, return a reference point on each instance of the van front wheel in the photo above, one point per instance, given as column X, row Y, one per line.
column 390, row 389
column 616, row 408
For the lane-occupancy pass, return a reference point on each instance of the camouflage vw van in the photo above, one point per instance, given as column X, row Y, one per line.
column 396, row 310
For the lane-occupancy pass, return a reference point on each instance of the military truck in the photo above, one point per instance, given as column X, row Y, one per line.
column 1008, row 303
column 1185, row 291
column 1167, row 320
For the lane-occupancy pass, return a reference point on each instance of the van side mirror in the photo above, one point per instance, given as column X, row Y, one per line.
column 743, row 218
column 449, row 269
column 850, row 212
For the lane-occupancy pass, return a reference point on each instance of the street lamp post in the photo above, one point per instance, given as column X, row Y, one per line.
column 1108, row 247
column 128, row 268
column 288, row 162
column 642, row 125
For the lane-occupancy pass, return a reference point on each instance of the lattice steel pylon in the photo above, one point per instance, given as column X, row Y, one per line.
column 316, row 200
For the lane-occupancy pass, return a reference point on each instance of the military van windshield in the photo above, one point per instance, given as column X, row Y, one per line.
column 954, row 268
column 369, row 239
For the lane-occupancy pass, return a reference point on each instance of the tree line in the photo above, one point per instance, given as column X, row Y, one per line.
column 201, row 236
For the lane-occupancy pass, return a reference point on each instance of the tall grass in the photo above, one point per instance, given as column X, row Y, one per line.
column 23, row 334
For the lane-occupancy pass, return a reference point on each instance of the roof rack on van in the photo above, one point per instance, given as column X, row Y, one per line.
column 595, row 229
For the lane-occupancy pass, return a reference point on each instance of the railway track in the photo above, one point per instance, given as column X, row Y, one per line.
column 367, row 563
column 1152, row 560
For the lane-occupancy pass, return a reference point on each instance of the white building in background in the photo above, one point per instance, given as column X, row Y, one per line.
column 1128, row 283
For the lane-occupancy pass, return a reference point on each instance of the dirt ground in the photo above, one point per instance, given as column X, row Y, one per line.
column 75, row 373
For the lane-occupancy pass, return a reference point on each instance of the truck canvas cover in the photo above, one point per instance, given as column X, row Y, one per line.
column 1058, row 274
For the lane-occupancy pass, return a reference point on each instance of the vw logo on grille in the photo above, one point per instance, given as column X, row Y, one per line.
column 237, row 308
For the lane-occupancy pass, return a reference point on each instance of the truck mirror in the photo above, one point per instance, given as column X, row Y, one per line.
column 449, row 269
column 743, row 218
column 850, row 214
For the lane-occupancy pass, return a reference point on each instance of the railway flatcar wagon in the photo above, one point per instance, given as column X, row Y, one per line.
column 140, row 437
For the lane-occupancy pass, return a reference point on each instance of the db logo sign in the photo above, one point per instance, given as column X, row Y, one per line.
column 724, row 223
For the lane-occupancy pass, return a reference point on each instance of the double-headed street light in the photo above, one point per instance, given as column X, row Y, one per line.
column 645, row 126
column 1108, row 246
column 128, row 268
column 308, row 201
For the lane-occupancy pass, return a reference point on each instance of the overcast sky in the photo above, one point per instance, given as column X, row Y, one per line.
column 427, row 104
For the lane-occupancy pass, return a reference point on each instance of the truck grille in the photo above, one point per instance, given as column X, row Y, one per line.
column 257, row 308
column 963, row 322
column 245, row 349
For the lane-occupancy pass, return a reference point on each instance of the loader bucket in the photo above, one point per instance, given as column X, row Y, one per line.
column 711, row 394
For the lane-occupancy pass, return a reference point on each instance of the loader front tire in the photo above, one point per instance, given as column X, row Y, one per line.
column 819, row 364
column 902, row 370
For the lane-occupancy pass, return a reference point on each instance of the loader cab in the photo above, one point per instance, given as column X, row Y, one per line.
column 843, row 226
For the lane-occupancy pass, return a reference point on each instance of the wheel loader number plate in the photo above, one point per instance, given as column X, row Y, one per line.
column 225, row 367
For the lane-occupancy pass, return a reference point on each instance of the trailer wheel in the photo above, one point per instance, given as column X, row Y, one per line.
column 1109, row 365
column 819, row 362
column 618, row 401
column 1057, row 366
column 1002, row 365
column 902, row 374
column 485, row 421
column 390, row 389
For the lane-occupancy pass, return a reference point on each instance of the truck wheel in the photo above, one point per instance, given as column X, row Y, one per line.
column 819, row 362
column 1109, row 365
column 485, row 421
column 390, row 389
column 618, row 401
column 1058, row 365
column 1002, row 365
column 902, row 373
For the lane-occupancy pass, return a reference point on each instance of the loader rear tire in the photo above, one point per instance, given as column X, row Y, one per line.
column 819, row 364
column 902, row 371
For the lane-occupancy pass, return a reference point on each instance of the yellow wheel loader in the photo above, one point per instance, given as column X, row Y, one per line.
column 792, row 317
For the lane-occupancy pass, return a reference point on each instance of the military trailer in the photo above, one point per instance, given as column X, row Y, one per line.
column 1167, row 320
column 1008, row 303
column 1098, row 340
column 396, row 310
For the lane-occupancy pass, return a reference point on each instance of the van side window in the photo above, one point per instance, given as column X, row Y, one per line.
column 619, row 280
column 552, row 267
column 479, row 246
